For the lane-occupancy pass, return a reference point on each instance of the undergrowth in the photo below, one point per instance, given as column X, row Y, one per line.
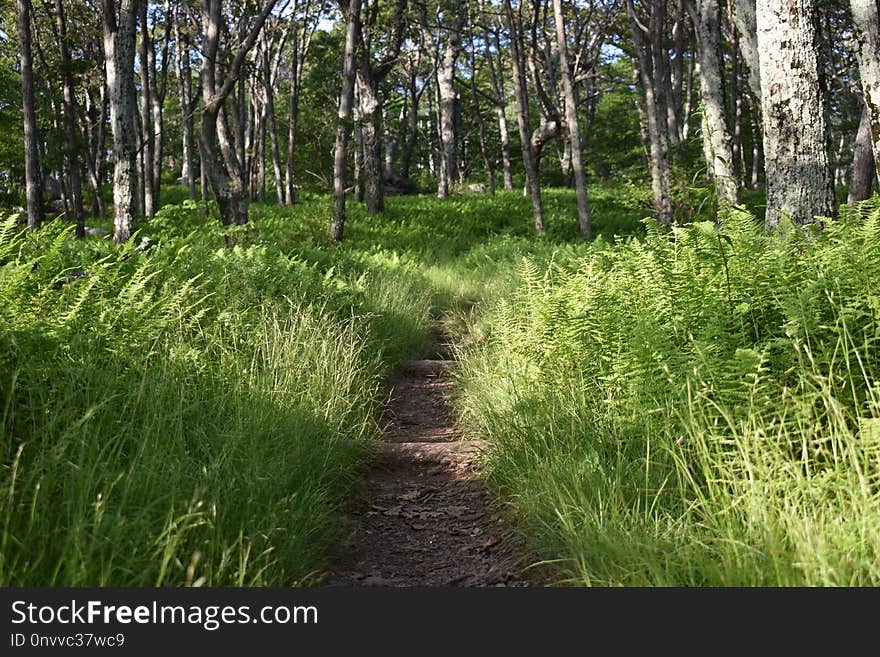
column 697, row 407
column 193, row 414
column 198, row 413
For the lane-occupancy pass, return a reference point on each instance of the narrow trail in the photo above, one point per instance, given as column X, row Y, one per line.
column 426, row 520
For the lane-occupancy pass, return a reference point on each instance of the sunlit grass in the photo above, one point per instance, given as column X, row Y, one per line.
column 695, row 409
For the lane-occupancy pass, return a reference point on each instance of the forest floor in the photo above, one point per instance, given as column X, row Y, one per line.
column 425, row 517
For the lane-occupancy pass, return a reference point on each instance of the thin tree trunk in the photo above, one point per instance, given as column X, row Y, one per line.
column 71, row 155
column 437, row 161
column 864, row 169
column 158, row 147
column 120, row 33
column 661, row 80
column 253, row 117
column 96, row 148
column 840, row 161
column 351, row 10
column 409, row 145
column 644, row 137
column 745, row 18
column 503, row 131
column 358, row 135
column 799, row 178
column 261, row 162
column 227, row 178
column 293, row 116
column 184, row 82
column 269, row 87
column 655, row 111
column 158, row 89
column 33, row 175
column 301, row 38
column 147, row 136
column 574, row 135
column 736, row 107
column 687, row 108
column 449, row 100
column 240, row 122
column 866, row 19
column 481, row 124
column 522, row 115
column 679, row 35
column 370, row 124
column 720, row 156
column 757, row 152
column 390, row 145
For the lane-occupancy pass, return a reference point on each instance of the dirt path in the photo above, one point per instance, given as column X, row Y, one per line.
column 425, row 520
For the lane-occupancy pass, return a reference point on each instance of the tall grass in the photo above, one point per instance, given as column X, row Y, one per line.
column 193, row 414
column 199, row 413
column 694, row 408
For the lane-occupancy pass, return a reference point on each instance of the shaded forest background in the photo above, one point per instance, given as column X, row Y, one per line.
column 435, row 104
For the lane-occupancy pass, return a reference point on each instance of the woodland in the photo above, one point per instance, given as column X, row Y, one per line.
column 646, row 233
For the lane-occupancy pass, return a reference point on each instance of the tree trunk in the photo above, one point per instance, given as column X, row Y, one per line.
column 449, row 100
column 864, row 170
column 571, row 120
column 228, row 177
column 269, row 87
column 679, row 34
column 239, row 121
column 120, row 32
column 158, row 89
column 481, row 124
column 293, row 117
column 745, row 18
column 261, row 162
column 655, row 110
column 736, row 108
column 504, row 135
column 644, row 137
column 799, row 178
column 33, row 176
column 71, row 141
column 390, row 143
column 498, row 90
column 866, row 19
column 437, row 150
column 96, row 147
column 147, row 136
column 370, row 124
column 720, row 156
column 225, row 181
column 358, row 135
column 412, row 136
column 351, row 10
column 184, row 82
column 757, row 153
column 840, row 160
column 522, row 115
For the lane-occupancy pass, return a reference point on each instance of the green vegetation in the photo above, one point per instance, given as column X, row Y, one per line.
column 696, row 407
column 191, row 414
column 195, row 413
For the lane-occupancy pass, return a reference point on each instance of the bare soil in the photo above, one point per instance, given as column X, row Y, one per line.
column 425, row 519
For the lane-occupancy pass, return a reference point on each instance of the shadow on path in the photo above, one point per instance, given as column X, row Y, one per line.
column 426, row 520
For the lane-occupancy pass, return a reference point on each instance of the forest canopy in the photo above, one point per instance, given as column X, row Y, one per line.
column 239, row 101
